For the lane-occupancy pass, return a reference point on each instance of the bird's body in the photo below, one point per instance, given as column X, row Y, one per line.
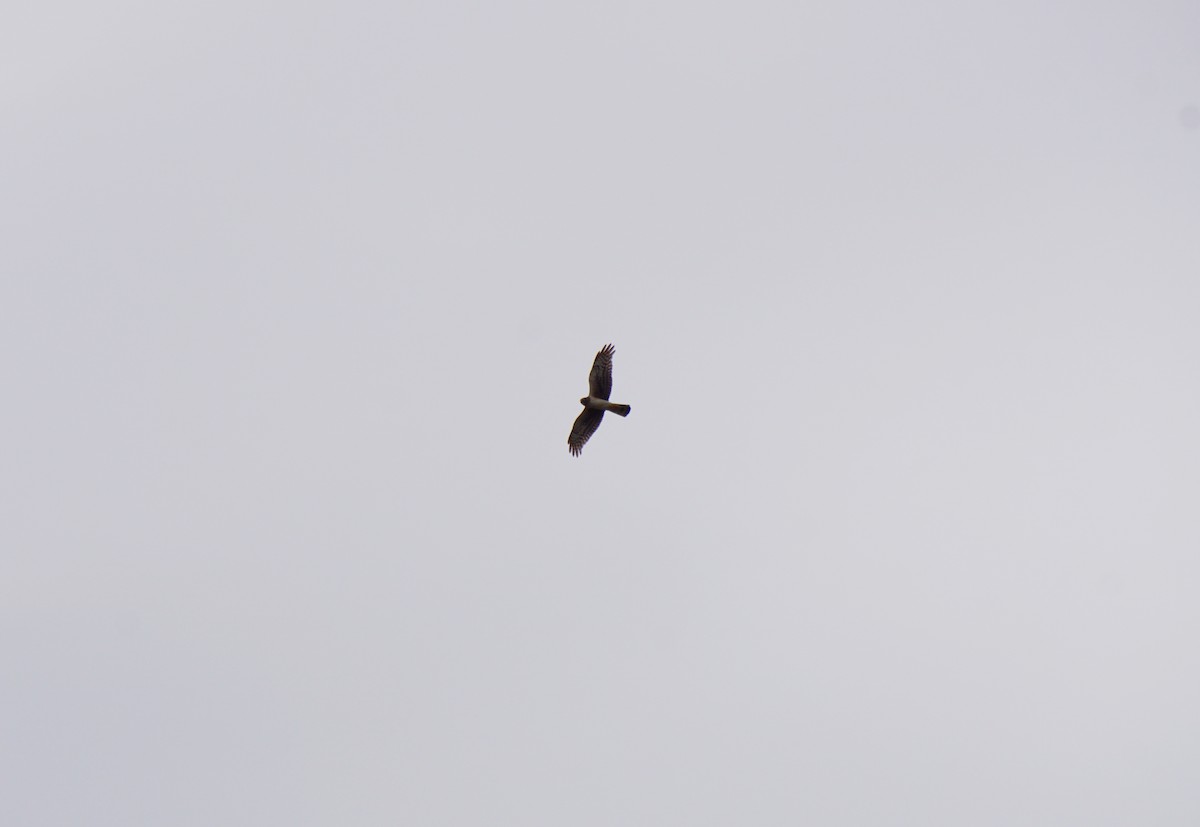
column 596, row 402
column 604, row 405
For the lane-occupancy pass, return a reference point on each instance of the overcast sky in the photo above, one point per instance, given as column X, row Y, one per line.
column 296, row 306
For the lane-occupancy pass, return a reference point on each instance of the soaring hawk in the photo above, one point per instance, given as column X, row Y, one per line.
column 596, row 402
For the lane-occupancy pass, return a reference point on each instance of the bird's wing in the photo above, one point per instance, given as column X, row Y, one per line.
column 585, row 425
column 600, row 379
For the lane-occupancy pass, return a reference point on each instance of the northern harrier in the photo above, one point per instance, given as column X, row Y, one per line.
column 596, row 402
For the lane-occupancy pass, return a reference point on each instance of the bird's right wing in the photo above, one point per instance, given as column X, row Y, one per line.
column 585, row 425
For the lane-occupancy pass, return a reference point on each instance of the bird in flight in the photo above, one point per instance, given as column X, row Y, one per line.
column 596, row 402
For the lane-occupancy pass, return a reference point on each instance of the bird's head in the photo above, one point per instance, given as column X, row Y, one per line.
column 583, row 401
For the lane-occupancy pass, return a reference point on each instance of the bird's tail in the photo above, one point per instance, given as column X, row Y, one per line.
column 620, row 410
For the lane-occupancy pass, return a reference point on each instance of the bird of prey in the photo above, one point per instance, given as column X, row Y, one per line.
column 596, row 402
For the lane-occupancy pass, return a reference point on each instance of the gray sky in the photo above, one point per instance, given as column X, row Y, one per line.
column 296, row 307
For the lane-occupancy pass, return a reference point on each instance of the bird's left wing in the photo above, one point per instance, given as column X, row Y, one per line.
column 600, row 379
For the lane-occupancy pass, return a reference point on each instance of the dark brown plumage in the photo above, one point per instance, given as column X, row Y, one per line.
column 596, row 402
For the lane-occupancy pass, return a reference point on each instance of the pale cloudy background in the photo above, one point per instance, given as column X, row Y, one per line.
column 297, row 303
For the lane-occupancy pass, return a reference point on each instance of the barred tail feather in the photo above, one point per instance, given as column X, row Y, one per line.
column 621, row 410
